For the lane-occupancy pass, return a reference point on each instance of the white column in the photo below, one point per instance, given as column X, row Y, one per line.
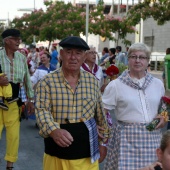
column 141, row 30
column 141, row 27
column 118, row 7
column 127, row 6
column 87, row 20
column 137, row 33
column 34, row 42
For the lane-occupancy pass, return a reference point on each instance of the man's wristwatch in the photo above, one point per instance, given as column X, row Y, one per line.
column 32, row 101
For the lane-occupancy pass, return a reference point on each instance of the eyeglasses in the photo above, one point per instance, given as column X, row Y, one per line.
column 141, row 58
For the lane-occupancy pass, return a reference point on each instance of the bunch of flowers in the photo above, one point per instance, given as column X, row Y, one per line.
column 164, row 110
column 112, row 71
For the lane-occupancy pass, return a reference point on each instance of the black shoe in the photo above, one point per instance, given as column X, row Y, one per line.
column 3, row 106
column 12, row 100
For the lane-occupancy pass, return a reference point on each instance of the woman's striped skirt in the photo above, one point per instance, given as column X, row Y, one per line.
column 132, row 146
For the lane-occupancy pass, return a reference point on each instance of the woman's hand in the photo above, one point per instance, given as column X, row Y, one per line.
column 152, row 166
column 162, row 122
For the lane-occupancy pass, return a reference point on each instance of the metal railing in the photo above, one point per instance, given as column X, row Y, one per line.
column 157, row 62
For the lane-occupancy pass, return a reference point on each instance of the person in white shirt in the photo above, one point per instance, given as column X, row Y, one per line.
column 43, row 69
column 135, row 97
column 90, row 66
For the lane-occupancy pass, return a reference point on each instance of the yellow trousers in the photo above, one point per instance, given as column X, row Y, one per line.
column 54, row 163
column 6, row 91
column 10, row 119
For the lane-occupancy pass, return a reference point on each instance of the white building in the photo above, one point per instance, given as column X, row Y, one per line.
column 155, row 36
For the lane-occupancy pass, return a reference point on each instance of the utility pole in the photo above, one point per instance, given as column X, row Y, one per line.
column 112, row 7
column 34, row 5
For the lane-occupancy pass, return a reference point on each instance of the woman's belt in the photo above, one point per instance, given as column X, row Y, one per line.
column 80, row 147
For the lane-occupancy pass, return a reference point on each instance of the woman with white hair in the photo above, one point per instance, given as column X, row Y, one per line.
column 135, row 97
column 90, row 65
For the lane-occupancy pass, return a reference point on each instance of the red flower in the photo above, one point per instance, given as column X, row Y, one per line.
column 112, row 70
column 166, row 99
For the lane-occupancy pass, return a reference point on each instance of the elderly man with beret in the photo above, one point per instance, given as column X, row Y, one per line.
column 14, row 65
column 68, row 110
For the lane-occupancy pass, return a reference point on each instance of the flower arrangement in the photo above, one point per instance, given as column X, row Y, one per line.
column 122, row 67
column 112, row 71
column 163, row 110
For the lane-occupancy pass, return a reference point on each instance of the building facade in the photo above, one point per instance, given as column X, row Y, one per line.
column 157, row 37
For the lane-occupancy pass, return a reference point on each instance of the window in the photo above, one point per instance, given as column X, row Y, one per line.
column 149, row 41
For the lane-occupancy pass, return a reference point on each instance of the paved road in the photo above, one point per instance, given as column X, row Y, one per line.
column 31, row 146
column 30, row 151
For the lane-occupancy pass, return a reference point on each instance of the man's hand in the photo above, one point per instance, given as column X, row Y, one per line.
column 103, row 153
column 30, row 108
column 98, row 131
column 62, row 137
column 4, row 80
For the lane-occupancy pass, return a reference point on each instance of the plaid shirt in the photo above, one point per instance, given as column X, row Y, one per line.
column 56, row 102
column 18, row 71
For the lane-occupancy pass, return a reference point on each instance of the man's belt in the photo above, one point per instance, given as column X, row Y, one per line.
column 80, row 147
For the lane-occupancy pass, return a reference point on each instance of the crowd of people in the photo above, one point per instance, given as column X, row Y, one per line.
column 72, row 104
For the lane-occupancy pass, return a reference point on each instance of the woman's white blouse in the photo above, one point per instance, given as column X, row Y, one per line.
column 40, row 72
column 132, row 105
column 38, row 75
column 99, row 74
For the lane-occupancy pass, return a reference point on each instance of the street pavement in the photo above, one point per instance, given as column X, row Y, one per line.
column 30, row 150
column 31, row 145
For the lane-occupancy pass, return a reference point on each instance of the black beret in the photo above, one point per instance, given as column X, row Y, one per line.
column 11, row 32
column 74, row 42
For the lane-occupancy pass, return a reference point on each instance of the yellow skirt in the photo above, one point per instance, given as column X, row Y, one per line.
column 54, row 163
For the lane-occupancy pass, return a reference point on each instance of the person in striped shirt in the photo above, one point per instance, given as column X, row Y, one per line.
column 14, row 67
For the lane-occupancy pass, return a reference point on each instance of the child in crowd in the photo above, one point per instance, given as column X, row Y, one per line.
column 163, row 154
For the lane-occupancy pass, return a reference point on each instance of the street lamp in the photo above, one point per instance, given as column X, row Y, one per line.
column 26, row 9
column 29, row 10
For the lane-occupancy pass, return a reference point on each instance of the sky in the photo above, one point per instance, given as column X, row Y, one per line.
column 9, row 8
